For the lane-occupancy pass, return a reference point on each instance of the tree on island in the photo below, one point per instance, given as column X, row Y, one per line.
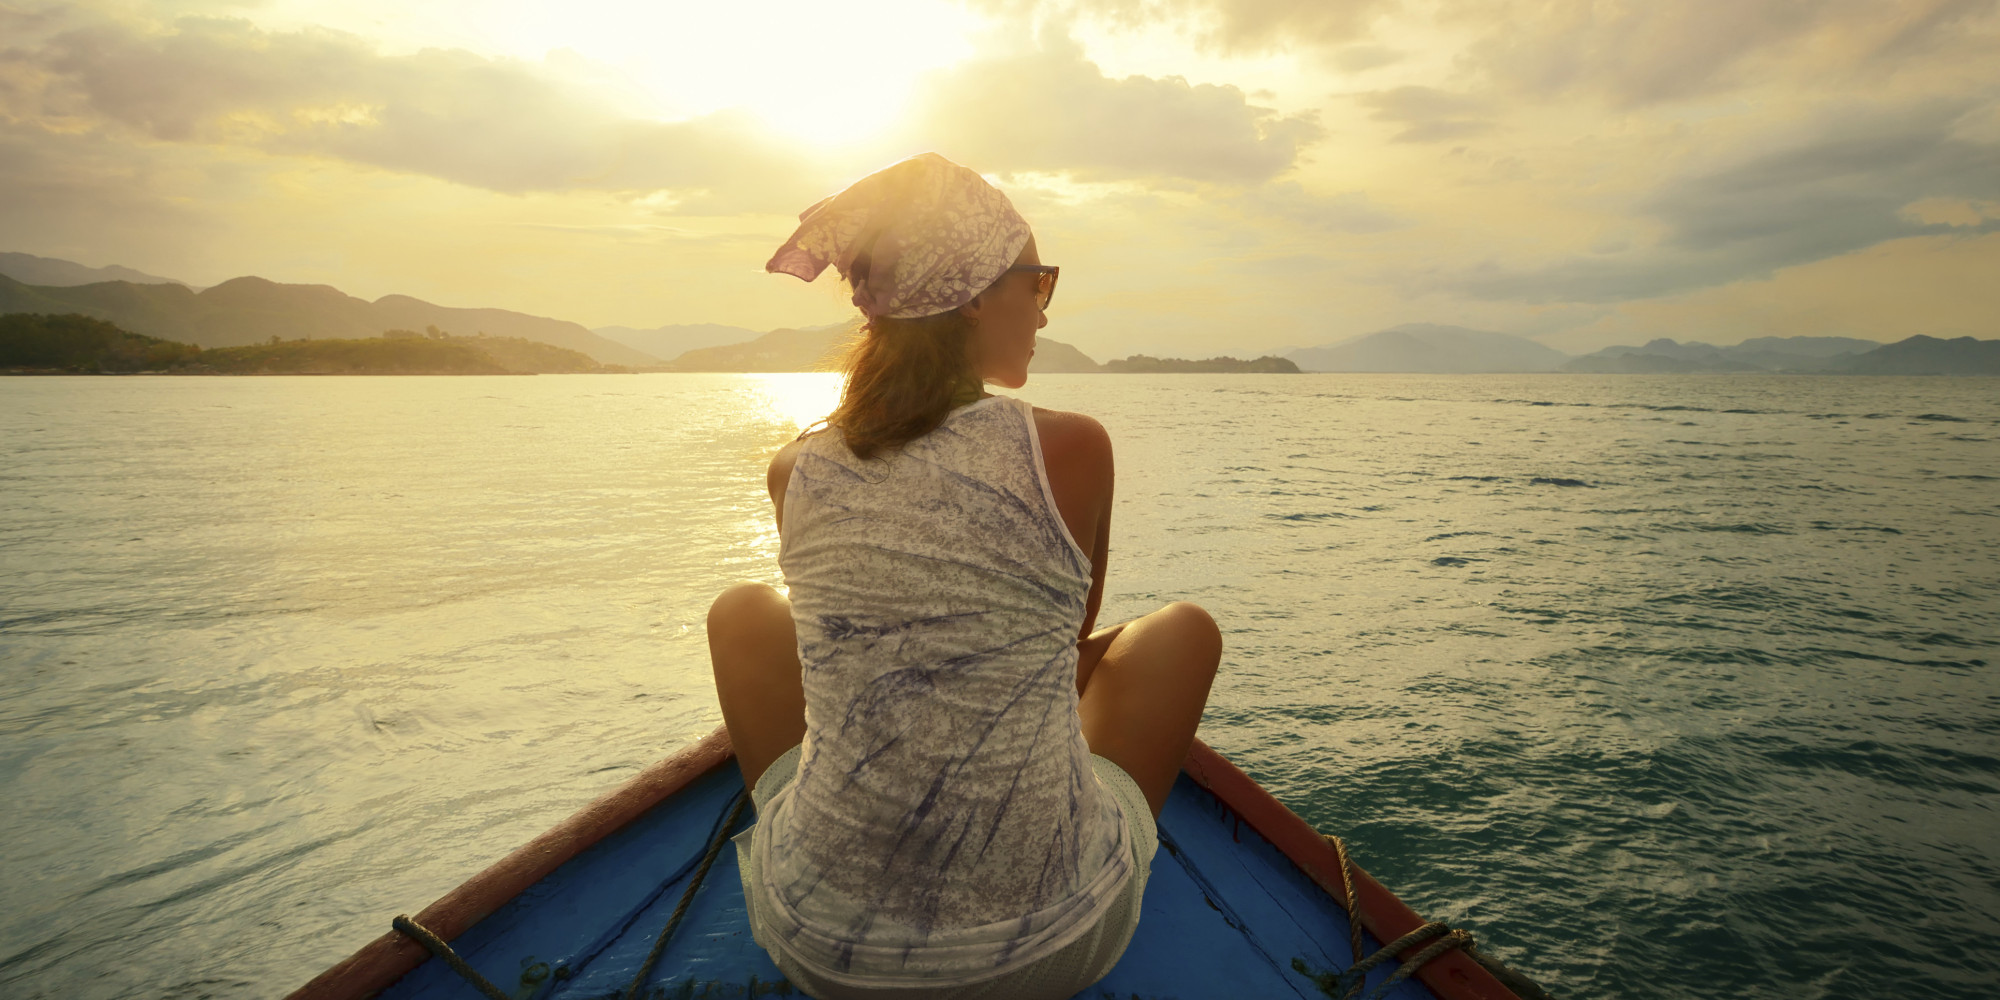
column 74, row 342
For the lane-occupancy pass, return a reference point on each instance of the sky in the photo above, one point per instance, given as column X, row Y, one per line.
column 1213, row 176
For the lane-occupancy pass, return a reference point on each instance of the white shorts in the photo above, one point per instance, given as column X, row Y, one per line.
column 1056, row 976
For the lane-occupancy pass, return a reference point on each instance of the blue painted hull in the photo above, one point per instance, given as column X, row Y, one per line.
column 1226, row 914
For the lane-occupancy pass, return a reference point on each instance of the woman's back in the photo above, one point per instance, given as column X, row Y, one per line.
column 955, row 773
column 945, row 817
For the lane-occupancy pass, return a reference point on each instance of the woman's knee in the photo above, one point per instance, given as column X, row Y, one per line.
column 1192, row 624
column 749, row 617
column 745, row 605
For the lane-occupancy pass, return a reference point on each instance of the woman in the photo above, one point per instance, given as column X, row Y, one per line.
column 956, row 777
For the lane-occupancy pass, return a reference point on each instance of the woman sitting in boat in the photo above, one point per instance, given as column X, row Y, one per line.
column 956, row 775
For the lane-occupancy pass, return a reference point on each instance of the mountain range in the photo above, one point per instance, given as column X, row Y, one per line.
column 253, row 310
column 817, row 349
column 675, row 340
column 1430, row 348
column 1798, row 354
column 30, row 269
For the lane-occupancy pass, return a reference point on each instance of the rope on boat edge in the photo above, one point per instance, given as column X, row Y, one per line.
column 436, row 945
column 1522, row 986
column 423, row 936
column 1353, row 978
column 714, row 848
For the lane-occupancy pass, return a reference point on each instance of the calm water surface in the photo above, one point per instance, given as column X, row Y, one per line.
column 1665, row 687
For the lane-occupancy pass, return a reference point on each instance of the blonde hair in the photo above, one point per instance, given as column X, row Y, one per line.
column 903, row 377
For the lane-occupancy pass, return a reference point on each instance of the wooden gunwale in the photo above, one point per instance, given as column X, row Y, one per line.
column 392, row 956
column 1453, row 975
column 383, row 961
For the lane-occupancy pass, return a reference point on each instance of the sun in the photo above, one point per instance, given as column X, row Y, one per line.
column 822, row 73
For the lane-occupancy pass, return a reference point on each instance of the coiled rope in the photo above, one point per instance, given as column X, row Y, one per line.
column 1447, row 938
column 1353, row 978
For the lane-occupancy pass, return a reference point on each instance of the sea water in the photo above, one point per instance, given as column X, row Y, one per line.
column 1662, row 686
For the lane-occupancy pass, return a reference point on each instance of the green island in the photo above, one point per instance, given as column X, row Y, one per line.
column 37, row 344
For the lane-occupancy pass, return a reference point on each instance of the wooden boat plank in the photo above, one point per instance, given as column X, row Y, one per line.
column 1286, row 922
column 389, row 957
column 1248, row 912
column 1454, row 974
column 712, row 953
column 1226, row 914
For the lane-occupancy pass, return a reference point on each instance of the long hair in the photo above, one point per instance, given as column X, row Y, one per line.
column 903, row 377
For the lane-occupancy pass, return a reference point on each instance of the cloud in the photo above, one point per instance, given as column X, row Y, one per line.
column 1631, row 53
column 1636, row 53
column 1362, row 57
column 1431, row 115
column 499, row 124
column 1846, row 184
column 1052, row 110
column 516, row 127
column 1349, row 212
column 58, row 188
column 1238, row 26
column 1929, row 28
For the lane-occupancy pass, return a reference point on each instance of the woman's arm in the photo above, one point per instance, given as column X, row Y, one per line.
column 778, row 475
column 1077, row 453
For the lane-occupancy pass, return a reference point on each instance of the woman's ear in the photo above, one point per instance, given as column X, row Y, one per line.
column 970, row 310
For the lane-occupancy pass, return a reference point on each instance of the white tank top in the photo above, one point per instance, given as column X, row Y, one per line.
column 945, row 825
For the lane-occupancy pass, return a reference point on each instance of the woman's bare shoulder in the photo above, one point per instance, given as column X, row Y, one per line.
column 1071, row 431
column 1072, row 441
column 780, row 471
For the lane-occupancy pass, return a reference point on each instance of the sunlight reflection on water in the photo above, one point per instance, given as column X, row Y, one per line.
column 804, row 398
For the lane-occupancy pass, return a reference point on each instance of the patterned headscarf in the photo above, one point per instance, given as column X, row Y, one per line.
column 916, row 238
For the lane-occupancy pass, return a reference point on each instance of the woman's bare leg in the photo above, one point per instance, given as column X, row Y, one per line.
column 755, row 653
column 1142, row 686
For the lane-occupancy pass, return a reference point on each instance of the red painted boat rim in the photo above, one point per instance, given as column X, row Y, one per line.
column 392, row 956
column 380, row 963
column 1453, row 975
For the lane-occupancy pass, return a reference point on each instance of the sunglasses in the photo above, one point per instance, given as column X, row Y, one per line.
column 1045, row 281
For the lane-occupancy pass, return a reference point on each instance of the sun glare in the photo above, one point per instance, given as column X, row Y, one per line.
column 803, row 398
column 823, row 73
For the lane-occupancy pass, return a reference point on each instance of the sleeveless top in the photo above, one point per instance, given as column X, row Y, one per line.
column 945, row 825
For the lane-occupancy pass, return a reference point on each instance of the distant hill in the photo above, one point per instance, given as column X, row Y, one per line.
column 1054, row 356
column 251, row 310
column 29, row 269
column 1921, row 355
column 675, row 340
column 1801, row 354
column 1429, row 347
column 73, row 343
column 1780, row 353
column 818, row 349
column 1145, row 364
column 1658, row 356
